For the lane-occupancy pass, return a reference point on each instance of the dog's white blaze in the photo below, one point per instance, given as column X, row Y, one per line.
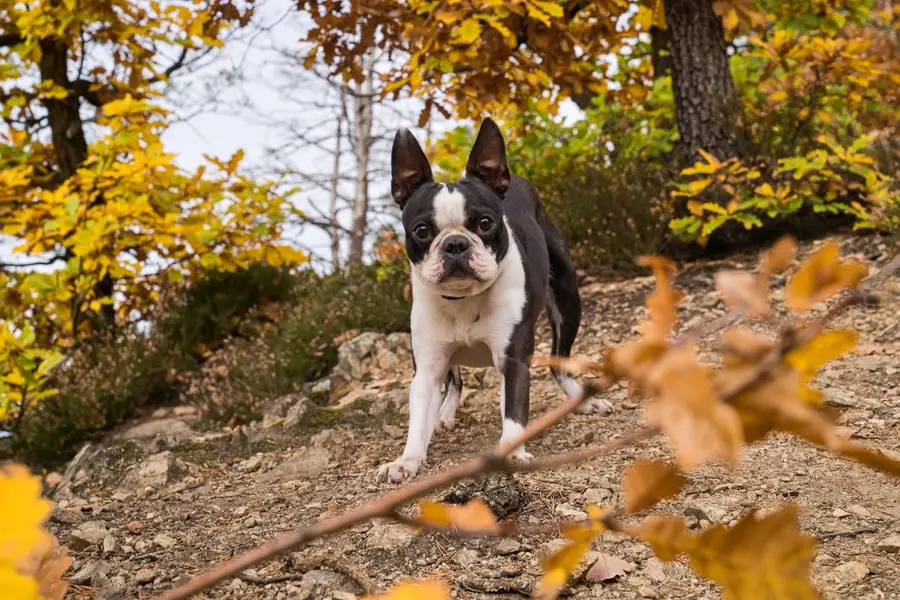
column 449, row 209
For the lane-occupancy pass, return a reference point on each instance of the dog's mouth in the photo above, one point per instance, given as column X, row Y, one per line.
column 459, row 269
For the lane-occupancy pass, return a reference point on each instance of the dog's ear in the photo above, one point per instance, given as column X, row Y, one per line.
column 409, row 167
column 487, row 161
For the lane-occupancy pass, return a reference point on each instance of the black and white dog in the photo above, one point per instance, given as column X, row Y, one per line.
column 486, row 260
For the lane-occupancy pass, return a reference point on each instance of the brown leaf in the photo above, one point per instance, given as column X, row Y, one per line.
column 569, row 364
column 821, row 276
column 662, row 303
column 744, row 291
column 633, row 360
column 777, row 258
column 667, row 536
column 558, row 567
column 871, row 458
column 646, row 482
column 741, row 346
column 687, row 408
column 608, row 568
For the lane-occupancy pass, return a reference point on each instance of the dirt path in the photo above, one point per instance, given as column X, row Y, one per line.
column 138, row 521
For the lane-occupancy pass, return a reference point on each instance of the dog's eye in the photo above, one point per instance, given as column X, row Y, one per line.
column 485, row 224
column 421, row 231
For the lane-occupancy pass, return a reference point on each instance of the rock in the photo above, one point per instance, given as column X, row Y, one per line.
column 598, row 496
column 549, row 548
column 608, row 567
column 328, row 438
column 185, row 410
column 850, row 572
column 568, row 511
column 320, row 584
column 144, row 576
column 172, row 432
column 341, row 595
column 705, row 511
column 164, row 541
column 386, row 535
column 240, row 438
column 466, row 557
column 278, row 409
column 93, row 569
column 891, row 544
column 653, row 569
column 508, row 546
column 370, row 352
column 296, row 414
column 110, row 545
column 89, row 533
column 395, row 400
column 503, row 493
column 156, row 471
column 252, row 464
column 859, row 511
column 311, row 462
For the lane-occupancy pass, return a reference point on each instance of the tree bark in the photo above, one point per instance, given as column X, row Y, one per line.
column 661, row 51
column 362, row 133
column 333, row 231
column 707, row 109
column 69, row 144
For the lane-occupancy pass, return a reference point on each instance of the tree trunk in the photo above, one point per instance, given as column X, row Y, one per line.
column 69, row 143
column 661, row 51
column 333, row 231
column 362, row 130
column 707, row 109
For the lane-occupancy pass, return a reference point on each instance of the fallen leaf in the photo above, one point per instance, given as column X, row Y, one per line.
column 821, row 276
column 608, row 568
column 646, row 482
column 471, row 516
column 662, row 303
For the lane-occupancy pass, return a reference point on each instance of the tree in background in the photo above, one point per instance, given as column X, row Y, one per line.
column 86, row 187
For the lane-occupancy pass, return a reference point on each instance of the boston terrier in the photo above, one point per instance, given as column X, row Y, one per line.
column 486, row 260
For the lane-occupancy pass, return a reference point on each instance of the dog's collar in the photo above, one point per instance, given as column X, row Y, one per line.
column 452, row 297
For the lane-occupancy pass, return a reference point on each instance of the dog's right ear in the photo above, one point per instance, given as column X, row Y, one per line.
column 409, row 167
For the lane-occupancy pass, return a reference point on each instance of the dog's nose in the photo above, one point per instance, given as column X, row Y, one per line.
column 456, row 245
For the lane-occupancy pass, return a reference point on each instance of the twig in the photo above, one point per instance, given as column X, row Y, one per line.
column 73, row 467
column 497, row 459
column 318, row 562
column 838, row 534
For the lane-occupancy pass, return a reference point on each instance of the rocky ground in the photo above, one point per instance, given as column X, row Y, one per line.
column 161, row 500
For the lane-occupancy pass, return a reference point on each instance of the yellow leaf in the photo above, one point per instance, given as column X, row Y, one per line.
column 558, row 567
column 709, row 158
column 16, row 586
column 731, row 20
column 779, row 96
column 698, row 185
column 415, row 590
column 468, row 31
column 646, row 482
column 695, row 208
column 765, row 190
column 586, row 532
column 551, row 8
column 825, row 347
column 821, row 276
column 662, row 303
column 667, row 536
column 471, row 516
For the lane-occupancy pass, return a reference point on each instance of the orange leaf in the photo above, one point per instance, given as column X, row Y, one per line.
column 586, row 532
column 647, row 482
column 663, row 301
column 821, row 276
column 558, row 567
column 416, row 590
column 777, row 258
column 744, row 291
column 471, row 516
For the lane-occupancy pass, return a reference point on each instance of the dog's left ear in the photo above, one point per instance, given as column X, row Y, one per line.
column 487, row 161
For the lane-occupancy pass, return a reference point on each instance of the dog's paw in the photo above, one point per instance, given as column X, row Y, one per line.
column 521, row 456
column 399, row 470
column 594, row 406
column 445, row 425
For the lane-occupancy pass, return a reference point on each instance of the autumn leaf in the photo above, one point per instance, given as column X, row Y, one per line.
column 586, row 532
column 633, row 360
column 777, row 258
column 573, row 364
column 468, row 31
column 415, row 590
column 741, row 346
column 558, row 567
column 607, row 568
column 471, row 516
column 646, row 482
column 687, row 408
column 744, row 292
column 811, row 356
column 667, row 536
column 662, row 303
column 821, row 276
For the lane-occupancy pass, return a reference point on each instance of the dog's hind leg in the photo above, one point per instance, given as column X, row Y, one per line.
column 564, row 311
column 452, row 396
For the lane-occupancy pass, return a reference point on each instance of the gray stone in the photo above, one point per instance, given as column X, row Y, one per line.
column 252, row 464
column 653, row 569
column 144, row 576
column 891, row 544
column 156, row 471
column 598, row 496
column 370, row 352
column 850, row 572
column 89, row 533
column 311, row 462
column 321, row 584
column 174, row 430
column 297, row 414
column 164, row 541
column 568, row 511
column 508, row 546
column 466, row 557
column 91, row 570
column 278, row 409
column 386, row 535
column 110, row 545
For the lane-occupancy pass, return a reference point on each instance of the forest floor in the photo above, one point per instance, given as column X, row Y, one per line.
column 161, row 500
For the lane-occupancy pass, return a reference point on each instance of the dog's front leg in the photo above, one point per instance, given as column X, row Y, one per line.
column 424, row 404
column 515, row 392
